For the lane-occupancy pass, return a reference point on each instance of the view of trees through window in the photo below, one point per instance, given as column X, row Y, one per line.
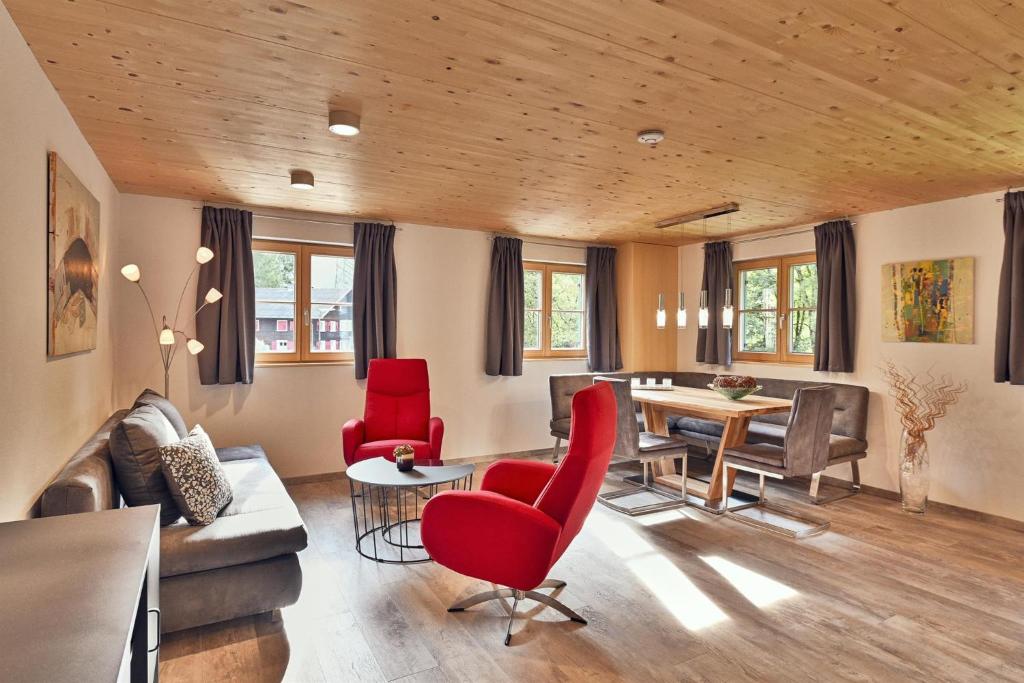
column 777, row 302
column 554, row 320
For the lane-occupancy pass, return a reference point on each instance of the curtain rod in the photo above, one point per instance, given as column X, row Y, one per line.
column 551, row 242
column 1008, row 191
column 287, row 218
column 758, row 238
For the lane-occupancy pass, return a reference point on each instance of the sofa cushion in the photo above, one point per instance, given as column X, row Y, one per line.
column 229, row 453
column 765, row 432
column 196, row 477
column 260, row 522
column 151, row 398
column 134, row 450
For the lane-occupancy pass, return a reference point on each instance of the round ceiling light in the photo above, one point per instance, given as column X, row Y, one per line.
column 650, row 137
column 302, row 180
column 342, row 122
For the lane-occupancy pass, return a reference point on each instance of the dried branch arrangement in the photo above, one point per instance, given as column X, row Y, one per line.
column 920, row 402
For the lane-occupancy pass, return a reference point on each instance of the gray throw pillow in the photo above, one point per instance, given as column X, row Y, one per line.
column 137, row 467
column 152, row 398
column 196, row 478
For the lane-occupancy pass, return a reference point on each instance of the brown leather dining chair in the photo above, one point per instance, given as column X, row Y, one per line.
column 803, row 453
column 632, row 445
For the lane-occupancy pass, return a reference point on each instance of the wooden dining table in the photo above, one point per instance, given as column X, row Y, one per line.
column 658, row 405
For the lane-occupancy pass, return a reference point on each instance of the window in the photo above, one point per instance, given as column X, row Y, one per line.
column 776, row 305
column 314, row 281
column 554, row 320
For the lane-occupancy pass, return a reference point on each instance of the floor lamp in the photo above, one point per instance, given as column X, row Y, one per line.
column 167, row 335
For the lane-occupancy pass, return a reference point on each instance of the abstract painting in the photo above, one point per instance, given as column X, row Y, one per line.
column 72, row 252
column 928, row 301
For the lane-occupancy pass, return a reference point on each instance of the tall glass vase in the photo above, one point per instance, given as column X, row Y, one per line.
column 913, row 472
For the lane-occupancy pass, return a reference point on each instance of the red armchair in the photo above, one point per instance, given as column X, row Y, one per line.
column 397, row 412
column 513, row 530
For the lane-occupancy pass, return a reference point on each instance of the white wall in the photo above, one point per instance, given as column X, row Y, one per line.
column 296, row 413
column 50, row 406
column 977, row 451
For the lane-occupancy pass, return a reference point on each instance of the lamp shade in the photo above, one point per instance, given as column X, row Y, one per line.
column 166, row 336
column 681, row 313
column 203, row 255
column 213, row 295
column 727, row 310
column 131, row 272
column 659, row 318
column 194, row 346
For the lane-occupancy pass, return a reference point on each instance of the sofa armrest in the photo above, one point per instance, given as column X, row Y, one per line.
column 435, row 434
column 522, row 480
column 353, row 435
column 489, row 537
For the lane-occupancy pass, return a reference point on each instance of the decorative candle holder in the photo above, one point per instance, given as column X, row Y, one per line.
column 404, row 457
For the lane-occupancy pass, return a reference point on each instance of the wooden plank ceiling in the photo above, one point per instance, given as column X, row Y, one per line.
column 522, row 115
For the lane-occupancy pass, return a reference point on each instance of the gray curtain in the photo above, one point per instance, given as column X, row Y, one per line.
column 714, row 345
column 835, row 326
column 505, row 309
column 227, row 328
column 604, row 353
column 1009, row 359
column 375, row 293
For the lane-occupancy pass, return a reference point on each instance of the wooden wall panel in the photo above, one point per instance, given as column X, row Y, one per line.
column 644, row 271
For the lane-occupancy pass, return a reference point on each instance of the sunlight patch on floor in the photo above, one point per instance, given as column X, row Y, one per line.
column 757, row 588
column 677, row 593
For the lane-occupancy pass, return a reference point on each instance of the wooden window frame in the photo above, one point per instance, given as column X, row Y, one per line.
column 783, row 309
column 545, row 351
column 304, row 254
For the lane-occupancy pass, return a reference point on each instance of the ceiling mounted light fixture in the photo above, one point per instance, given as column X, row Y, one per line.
column 341, row 122
column 302, row 180
column 713, row 212
column 650, row 137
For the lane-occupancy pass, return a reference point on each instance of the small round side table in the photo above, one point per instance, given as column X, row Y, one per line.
column 386, row 505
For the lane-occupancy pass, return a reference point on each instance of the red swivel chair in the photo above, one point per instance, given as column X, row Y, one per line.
column 526, row 513
column 397, row 412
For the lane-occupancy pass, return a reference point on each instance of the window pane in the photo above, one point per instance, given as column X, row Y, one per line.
column 803, row 285
column 274, row 274
column 533, row 285
column 331, row 279
column 566, row 331
column 759, row 288
column 275, row 327
column 757, row 332
column 567, row 292
column 801, row 331
column 531, row 331
column 330, row 328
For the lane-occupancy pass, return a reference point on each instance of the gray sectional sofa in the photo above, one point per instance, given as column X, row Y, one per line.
column 847, row 443
column 244, row 563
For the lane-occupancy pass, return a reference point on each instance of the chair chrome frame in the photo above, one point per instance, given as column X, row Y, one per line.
column 671, row 502
column 517, row 596
column 555, row 450
column 853, row 490
column 815, row 524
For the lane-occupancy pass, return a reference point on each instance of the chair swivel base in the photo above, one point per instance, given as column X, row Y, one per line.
column 516, row 596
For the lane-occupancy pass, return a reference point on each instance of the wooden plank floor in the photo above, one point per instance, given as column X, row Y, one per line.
column 675, row 596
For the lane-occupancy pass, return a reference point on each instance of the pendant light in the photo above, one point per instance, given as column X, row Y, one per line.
column 681, row 313
column 727, row 310
column 702, row 305
column 702, row 310
column 660, row 316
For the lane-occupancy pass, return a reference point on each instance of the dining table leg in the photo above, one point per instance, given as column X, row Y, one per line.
column 734, row 434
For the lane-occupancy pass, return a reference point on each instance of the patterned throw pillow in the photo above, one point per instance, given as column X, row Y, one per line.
column 195, row 477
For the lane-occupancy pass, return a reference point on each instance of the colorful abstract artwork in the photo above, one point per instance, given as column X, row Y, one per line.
column 73, row 283
column 928, row 301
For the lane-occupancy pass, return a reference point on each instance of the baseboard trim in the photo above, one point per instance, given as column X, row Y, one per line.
column 966, row 513
column 471, row 460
